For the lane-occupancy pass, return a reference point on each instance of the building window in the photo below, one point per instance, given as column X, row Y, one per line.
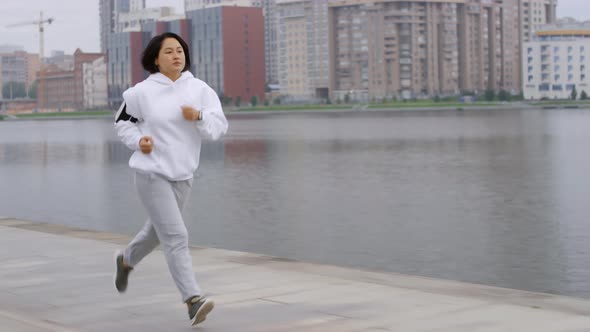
column 557, row 87
column 544, row 87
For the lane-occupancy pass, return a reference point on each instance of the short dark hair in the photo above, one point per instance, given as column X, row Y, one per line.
column 148, row 58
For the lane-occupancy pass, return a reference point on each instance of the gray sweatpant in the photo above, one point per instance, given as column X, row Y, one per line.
column 164, row 201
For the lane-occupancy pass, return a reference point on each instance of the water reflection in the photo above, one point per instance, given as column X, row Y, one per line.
column 492, row 197
column 44, row 153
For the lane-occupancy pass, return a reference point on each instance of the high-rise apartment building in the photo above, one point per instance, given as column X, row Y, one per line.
column 107, row 22
column 18, row 67
column 406, row 49
column 303, row 51
column 535, row 13
column 132, row 20
column 270, row 28
column 136, row 5
column 556, row 61
column 227, row 50
column 109, row 11
column 190, row 5
column 489, row 45
column 271, row 41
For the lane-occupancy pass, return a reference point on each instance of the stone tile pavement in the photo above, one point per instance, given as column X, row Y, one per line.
column 55, row 278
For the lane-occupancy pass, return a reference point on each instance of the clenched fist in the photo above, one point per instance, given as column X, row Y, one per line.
column 146, row 144
column 190, row 113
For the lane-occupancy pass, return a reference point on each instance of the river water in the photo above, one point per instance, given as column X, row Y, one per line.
column 494, row 197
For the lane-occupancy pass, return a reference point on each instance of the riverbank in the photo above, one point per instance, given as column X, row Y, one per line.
column 398, row 106
column 56, row 278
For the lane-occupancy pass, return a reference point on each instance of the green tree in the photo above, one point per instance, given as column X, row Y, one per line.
column 13, row 90
column 490, row 95
column 583, row 95
column 238, row 101
column 225, row 100
column 253, row 100
column 503, row 95
column 347, row 98
column 574, row 93
column 277, row 101
column 436, row 99
column 33, row 90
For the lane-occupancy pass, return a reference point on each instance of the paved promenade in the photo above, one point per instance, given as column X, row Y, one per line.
column 55, row 278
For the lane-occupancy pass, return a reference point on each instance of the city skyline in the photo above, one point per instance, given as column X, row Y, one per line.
column 67, row 32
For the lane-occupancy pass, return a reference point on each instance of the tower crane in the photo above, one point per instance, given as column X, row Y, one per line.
column 41, row 23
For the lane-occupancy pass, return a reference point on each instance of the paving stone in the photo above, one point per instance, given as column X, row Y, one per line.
column 56, row 278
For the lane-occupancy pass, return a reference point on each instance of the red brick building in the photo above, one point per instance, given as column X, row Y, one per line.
column 227, row 50
column 64, row 89
column 56, row 89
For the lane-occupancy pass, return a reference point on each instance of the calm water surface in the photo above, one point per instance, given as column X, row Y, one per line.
column 493, row 197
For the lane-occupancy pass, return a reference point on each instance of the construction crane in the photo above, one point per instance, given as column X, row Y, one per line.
column 41, row 23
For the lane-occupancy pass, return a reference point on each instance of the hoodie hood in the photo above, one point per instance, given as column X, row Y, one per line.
column 163, row 79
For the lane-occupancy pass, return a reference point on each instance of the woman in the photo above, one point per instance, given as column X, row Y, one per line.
column 163, row 119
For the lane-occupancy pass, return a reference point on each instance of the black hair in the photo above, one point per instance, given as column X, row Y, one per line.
column 148, row 58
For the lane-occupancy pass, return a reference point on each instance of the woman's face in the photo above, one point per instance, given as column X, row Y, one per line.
column 171, row 58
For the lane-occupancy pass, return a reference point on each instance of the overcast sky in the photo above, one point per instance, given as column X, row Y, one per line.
column 76, row 22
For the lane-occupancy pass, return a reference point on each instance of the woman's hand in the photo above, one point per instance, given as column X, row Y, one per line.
column 146, row 144
column 190, row 114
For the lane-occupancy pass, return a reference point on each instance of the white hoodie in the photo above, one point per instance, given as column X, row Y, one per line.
column 153, row 108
